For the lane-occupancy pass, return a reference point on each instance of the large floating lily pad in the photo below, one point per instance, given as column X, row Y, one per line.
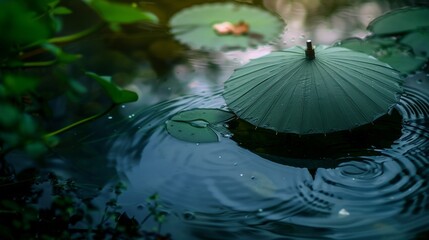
column 224, row 25
column 386, row 50
column 198, row 125
column 400, row 21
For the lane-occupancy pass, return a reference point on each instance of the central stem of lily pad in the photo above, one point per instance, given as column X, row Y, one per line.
column 309, row 52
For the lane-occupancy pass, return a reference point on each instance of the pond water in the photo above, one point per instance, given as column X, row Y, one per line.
column 225, row 190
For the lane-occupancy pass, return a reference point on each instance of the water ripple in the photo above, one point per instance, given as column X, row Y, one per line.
column 224, row 188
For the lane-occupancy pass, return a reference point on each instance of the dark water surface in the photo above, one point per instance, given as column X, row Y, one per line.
column 226, row 190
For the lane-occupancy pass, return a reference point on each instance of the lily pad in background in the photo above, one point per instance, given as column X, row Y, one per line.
column 198, row 26
column 400, row 21
column 386, row 50
column 119, row 13
column 419, row 41
column 198, row 125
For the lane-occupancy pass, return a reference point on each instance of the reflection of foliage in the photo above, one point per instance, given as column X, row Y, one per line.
column 67, row 216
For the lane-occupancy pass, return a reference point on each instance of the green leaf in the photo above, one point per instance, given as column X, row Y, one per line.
column 198, row 125
column 17, row 84
column 386, row 50
column 403, row 61
column 418, row 41
column 120, row 13
column 61, row 56
column 18, row 25
column 9, row 115
column 27, row 125
column 62, row 11
column 400, row 21
column 186, row 132
column 194, row 26
column 116, row 94
column 35, row 148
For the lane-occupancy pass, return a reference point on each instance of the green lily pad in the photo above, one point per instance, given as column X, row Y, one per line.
column 186, row 132
column 418, row 41
column 403, row 61
column 194, row 26
column 386, row 50
column 198, row 125
column 116, row 94
column 359, row 45
column 400, row 21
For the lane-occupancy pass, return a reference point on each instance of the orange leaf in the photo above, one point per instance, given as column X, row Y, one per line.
column 226, row 28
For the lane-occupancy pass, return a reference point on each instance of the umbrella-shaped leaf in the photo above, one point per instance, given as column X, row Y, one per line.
column 400, row 21
column 418, row 40
column 118, row 96
column 288, row 91
column 224, row 25
column 386, row 50
column 198, row 125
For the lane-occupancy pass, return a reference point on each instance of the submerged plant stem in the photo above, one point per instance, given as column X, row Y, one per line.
column 85, row 120
column 60, row 40
column 38, row 64
column 76, row 36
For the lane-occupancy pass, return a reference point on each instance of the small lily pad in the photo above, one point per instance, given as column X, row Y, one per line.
column 400, row 21
column 197, row 125
column 189, row 133
column 202, row 26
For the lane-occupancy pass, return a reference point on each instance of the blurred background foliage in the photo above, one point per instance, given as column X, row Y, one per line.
column 34, row 67
column 36, row 73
